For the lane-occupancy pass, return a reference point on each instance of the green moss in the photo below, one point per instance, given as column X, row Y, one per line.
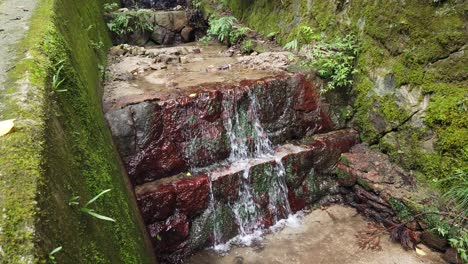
column 401, row 210
column 62, row 148
column 364, row 184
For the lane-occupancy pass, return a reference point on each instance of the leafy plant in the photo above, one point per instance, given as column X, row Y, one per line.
column 457, row 194
column 57, row 80
column 97, row 45
column 237, row 34
column 335, row 61
column 292, row 45
column 305, row 35
column 247, row 46
column 85, row 209
column 221, row 28
column 129, row 22
column 271, row 35
column 110, row 7
column 52, row 253
column 461, row 245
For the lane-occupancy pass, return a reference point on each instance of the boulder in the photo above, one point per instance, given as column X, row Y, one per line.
column 187, row 34
column 451, row 256
column 434, row 241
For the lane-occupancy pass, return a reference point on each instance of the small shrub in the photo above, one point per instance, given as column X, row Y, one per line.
column 292, row 45
column 247, row 46
column 237, row 35
column 334, row 61
column 221, row 28
column 129, row 22
column 110, row 7
column 457, row 192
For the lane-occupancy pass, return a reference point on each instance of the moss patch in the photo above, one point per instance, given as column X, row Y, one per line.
column 62, row 148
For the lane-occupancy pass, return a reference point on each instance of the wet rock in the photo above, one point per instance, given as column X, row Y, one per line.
column 158, row 35
column 296, row 202
column 171, row 20
column 169, row 235
column 166, row 59
column 187, row 34
column 123, row 132
column 327, row 148
column 201, row 230
column 226, row 187
column 156, row 202
column 434, row 241
column 116, row 51
column 451, row 256
column 192, row 195
column 155, row 4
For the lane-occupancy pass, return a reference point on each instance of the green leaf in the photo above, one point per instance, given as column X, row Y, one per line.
column 97, row 197
column 56, row 250
column 96, row 215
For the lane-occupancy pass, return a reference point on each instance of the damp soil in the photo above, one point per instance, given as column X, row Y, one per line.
column 325, row 236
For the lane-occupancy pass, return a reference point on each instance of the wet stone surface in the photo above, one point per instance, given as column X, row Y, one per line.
column 185, row 199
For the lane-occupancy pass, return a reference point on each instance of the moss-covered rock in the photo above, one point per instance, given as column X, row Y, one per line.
column 413, row 50
column 61, row 147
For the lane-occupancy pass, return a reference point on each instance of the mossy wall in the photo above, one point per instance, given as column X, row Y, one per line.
column 415, row 47
column 62, row 148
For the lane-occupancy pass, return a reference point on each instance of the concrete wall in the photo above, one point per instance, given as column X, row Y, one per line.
column 61, row 148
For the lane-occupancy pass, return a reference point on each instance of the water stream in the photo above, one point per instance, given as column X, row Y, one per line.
column 249, row 141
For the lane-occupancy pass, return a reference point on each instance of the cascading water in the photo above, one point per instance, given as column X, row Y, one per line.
column 249, row 141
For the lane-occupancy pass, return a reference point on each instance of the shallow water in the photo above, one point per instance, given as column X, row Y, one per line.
column 323, row 236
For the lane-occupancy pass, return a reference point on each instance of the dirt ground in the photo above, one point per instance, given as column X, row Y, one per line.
column 323, row 237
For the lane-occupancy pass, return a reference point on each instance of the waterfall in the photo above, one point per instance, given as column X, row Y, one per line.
column 249, row 141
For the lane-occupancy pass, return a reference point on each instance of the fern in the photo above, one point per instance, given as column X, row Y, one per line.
column 292, row 45
column 221, row 28
column 129, row 22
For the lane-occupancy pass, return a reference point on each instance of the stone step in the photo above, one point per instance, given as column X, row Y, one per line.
column 178, row 210
column 158, row 137
column 155, row 4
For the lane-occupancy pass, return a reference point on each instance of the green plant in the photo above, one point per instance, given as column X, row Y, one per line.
column 96, row 45
column 292, row 45
column 85, row 209
column 102, row 72
column 272, row 35
column 237, row 34
column 460, row 243
column 247, row 46
column 221, row 28
column 305, row 35
column 52, row 253
column 131, row 21
column 457, row 193
column 110, row 7
column 57, row 80
column 334, row 61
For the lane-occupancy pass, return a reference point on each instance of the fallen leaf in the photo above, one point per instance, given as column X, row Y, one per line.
column 192, row 95
column 6, row 126
column 420, row 252
column 189, row 174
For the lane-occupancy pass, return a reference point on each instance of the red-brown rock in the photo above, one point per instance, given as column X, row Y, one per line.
column 451, row 256
column 192, row 195
column 170, row 235
column 156, row 202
